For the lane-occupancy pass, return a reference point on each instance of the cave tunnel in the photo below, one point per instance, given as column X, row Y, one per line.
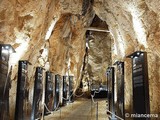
column 79, row 60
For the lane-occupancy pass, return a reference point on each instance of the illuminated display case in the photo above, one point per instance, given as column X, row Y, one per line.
column 141, row 104
column 5, row 73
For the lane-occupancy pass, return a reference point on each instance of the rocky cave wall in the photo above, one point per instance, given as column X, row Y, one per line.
column 134, row 25
column 52, row 33
column 98, row 53
column 99, row 57
column 47, row 33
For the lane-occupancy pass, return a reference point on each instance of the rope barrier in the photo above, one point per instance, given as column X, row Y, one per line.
column 57, row 106
column 48, row 111
column 64, row 98
column 115, row 115
column 92, row 96
column 95, row 102
column 80, row 95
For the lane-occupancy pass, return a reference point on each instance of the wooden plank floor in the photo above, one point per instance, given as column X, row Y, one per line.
column 80, row 109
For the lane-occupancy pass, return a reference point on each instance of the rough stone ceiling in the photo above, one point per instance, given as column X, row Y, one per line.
column 133, row 25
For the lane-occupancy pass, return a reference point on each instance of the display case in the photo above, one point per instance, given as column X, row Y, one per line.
column 64, row 89
column 111, row 91
column 141, row 104
column 120, row 111
column 48, row 92
column 37, row 95
column 5, row 74
column 70, row 88
column 56, row 95
column 22, row 96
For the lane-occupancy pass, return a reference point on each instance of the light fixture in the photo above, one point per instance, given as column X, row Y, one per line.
column 136, row 57
column 138, row 53
column 135, row 54
column 5, row 51
column 131, row 56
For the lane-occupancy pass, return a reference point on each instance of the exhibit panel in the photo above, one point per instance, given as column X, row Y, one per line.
column 140, row 84
column 37, row 96
column 71, row 88
column 22, row 97
column 60, row 90
column 111, row 92
column 48, row 92
column 120, row 111
column 56, row 96
column 64, row 90
column 5, row 85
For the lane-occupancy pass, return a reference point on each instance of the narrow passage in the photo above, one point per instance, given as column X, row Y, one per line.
column 81, row 109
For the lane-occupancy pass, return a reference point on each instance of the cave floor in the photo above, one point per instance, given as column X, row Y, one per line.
column 80, row 109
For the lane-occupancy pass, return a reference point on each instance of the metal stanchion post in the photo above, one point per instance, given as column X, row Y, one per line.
column 91, row 108
column 97, row 112
column 60, row 113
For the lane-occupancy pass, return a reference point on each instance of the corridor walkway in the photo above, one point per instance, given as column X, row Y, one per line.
column 81, row 109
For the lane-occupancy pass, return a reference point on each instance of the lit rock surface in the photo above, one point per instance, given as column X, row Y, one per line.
column 133, row 25
column 47, row 33
column 99, row 56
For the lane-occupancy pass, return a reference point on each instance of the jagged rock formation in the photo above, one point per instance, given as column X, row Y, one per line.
column 134, row 26
column 51, row 33
column 47, row 33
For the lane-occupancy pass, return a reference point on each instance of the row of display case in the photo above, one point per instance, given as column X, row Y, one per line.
column 140, row 87
column 49, row 92
column 57, row 92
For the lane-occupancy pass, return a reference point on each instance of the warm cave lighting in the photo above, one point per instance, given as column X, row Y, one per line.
column 87, row 45
column 140, row 31
column 44, row 56
column 20, row 51
column 49, row 32
column 6, row 50
column 47, row 66
column 118, row 43
column 121, row 45
column 138, row 25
